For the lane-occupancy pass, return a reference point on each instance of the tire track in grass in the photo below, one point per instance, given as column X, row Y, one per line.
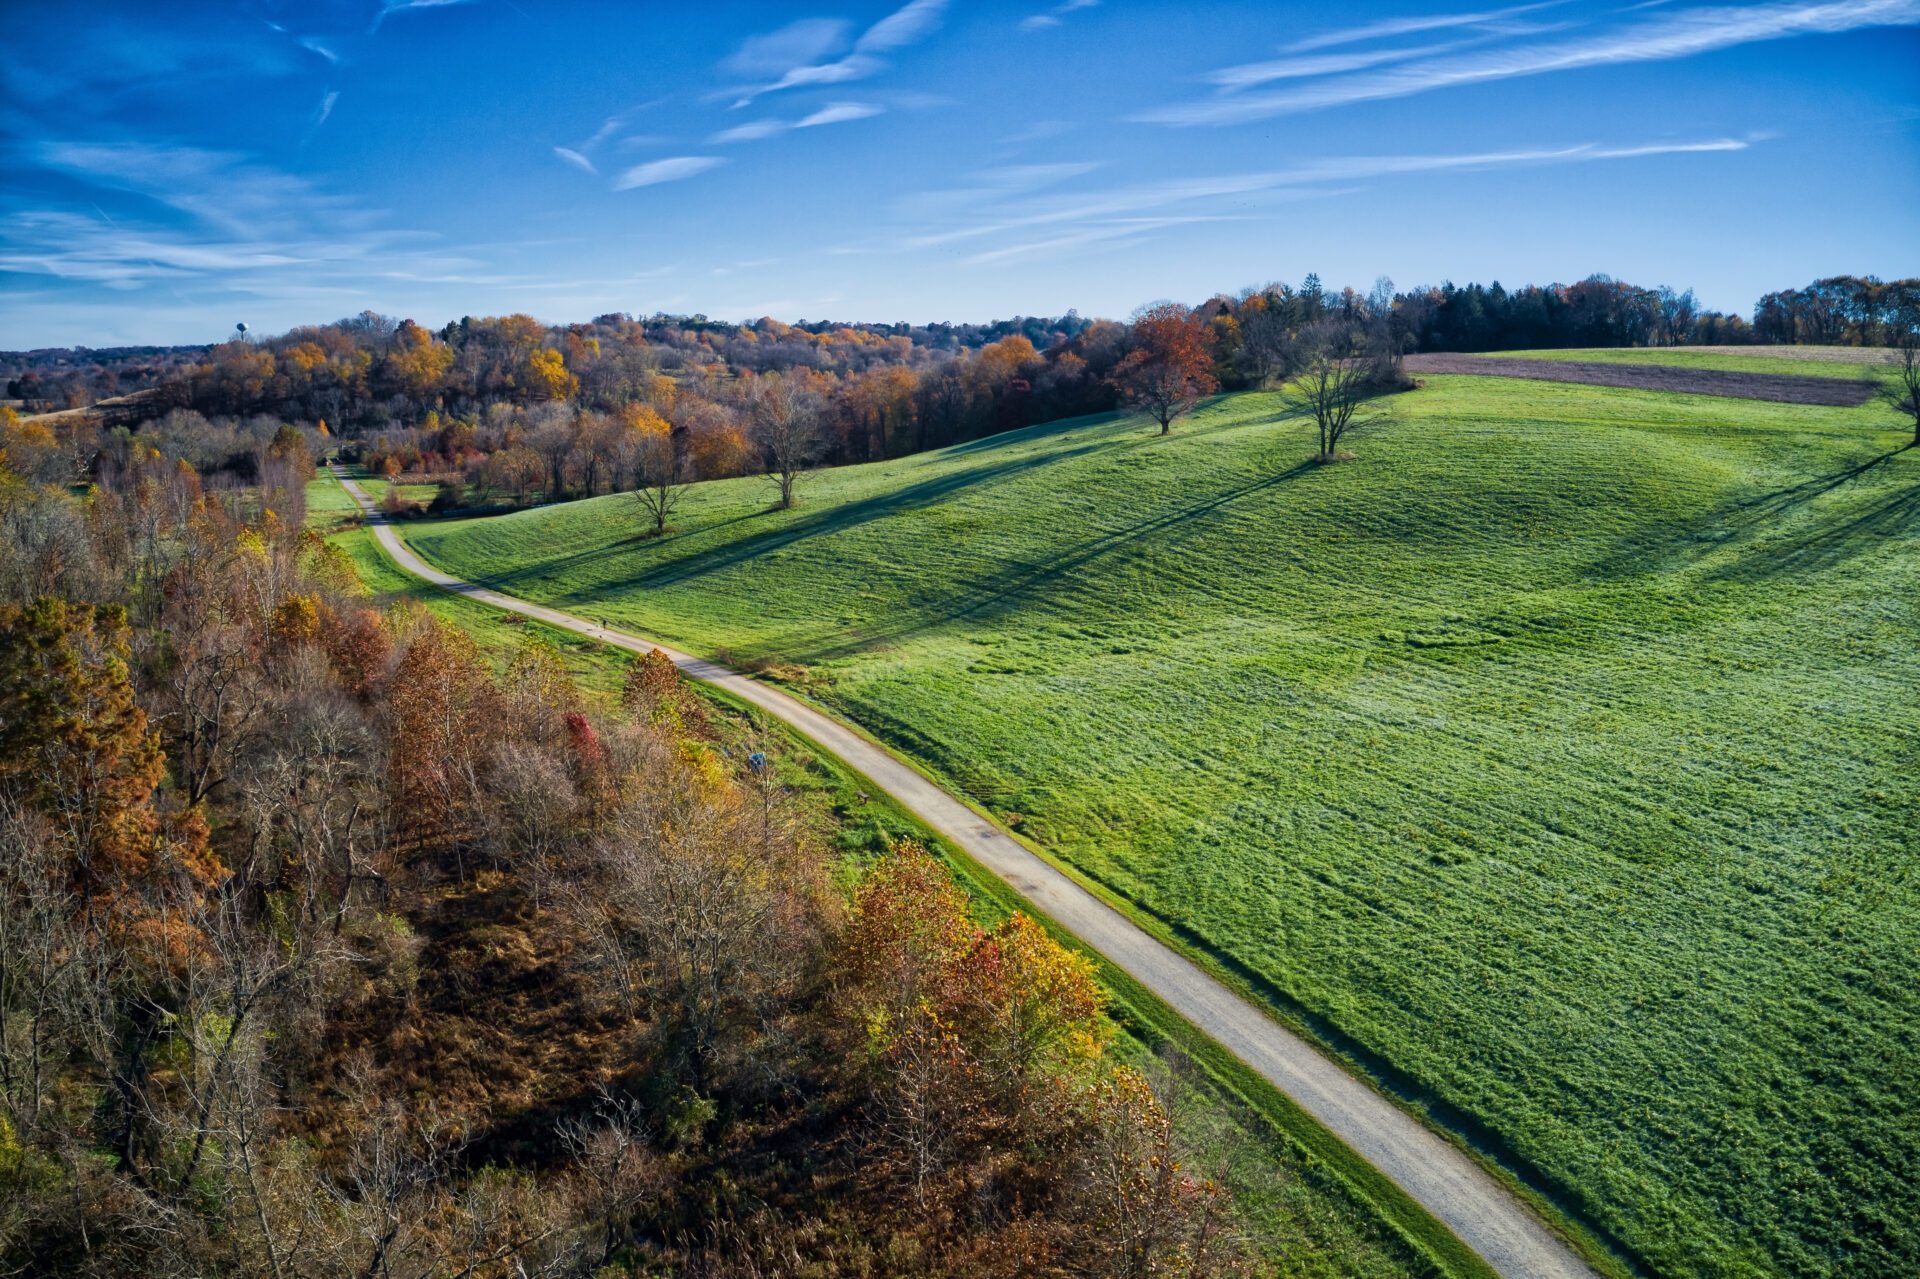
column 1442, row 1179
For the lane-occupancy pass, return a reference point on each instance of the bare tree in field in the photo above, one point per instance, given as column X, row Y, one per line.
column 1330, row 388
column 786, row 426
column 1908, row 344
column 659, row 474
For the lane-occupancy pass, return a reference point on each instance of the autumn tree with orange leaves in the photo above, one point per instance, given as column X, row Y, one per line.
column 989, row 1052
column 444, row 708
column 75, row 746
column 659, row 463
column 1166, row 372
column 272, row 974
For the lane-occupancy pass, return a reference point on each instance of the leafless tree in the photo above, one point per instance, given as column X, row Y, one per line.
column 1142, row 1210
column 1331, row 388
column 914, row 1116
column 786, row 427
column 553, row 440
column 42, row 955
column 305, row 799
column 1907, row 343
column 615, row 1170
column 718, row 916
column 214, row 693
column 601, row 452
column 536, row 802
column 660, row 476
column 1266, row 345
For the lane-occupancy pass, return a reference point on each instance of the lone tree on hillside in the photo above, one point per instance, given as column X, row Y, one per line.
column 1330, row 388
column 786, row 427
column 659, row 469
column 1166, row 373
column 1908, row 344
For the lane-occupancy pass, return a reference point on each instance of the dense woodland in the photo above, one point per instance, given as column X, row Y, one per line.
column 509, row 410
column 327, row 950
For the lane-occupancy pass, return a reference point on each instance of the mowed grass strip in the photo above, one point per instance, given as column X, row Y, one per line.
column 1812, row 361
column 1554, row 761
column 1839, row 392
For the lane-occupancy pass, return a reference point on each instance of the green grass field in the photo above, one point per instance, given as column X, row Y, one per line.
column 334, row 514
column 1319, row 1217
column 1840, row 362
column 376, row 488
column 1554, row 762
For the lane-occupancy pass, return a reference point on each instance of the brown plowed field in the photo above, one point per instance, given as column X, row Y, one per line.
column 1840, row 392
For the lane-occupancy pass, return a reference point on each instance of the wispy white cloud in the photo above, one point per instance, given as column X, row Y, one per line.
column 905, row 25
column 312, row 45
column 796, row 44
column 1038, row 131
column 1667, row 35
column 326, row 107
column 391, row 7
column 840, row 113
column 216, row 219
column 223, row 190
column 574, row 158
column 1053, row 16
column 1249, row 74
column 751, row 132
column 1387, row 28
column 672, row 169
column 1099, row 217
column 832, row 113
column 993, row 186
column 613, row 125
column 1115, row 235
column 902, row 27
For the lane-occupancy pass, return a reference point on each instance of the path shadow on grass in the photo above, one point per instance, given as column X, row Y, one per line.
column 825, row 521
column 1670, row 546
column 1007, row 590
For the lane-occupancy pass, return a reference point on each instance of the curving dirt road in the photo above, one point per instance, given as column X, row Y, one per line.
column 1448, row 1184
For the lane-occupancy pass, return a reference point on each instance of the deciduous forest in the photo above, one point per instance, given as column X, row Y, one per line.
column 329, row 948
column 508, row 410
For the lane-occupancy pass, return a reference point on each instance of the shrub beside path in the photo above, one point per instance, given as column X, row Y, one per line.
column 1484, row 1214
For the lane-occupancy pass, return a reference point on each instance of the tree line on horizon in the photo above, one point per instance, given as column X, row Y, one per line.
column 507, row 410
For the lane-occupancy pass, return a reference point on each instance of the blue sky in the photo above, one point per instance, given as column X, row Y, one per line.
column 171, row 169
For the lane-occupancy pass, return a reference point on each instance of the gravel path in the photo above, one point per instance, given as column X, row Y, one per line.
column 1448, row 1184
column 1784, row 388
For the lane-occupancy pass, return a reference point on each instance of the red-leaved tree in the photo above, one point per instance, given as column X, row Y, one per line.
column 1166, row 372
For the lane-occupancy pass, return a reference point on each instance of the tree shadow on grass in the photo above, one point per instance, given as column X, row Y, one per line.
column 1022, row 582
column 1022, row 435
column 1674, row 545
column 826, row 521
column 1829, row 543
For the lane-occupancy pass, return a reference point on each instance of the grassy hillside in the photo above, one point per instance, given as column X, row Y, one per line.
column 1555, row 760
column 1317, row 1217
